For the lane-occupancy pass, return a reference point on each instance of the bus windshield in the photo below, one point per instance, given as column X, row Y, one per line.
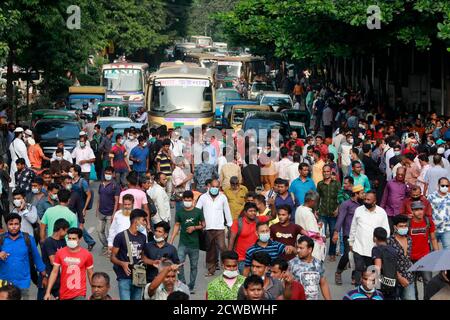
column 122, row 79
column 228, row 69
column 182, row 95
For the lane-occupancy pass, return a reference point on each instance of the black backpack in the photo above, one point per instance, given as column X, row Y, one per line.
column 33, row 271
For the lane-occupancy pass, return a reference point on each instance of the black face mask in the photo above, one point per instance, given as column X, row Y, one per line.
column 368, row 206
column 416, row 198
column 361, row 201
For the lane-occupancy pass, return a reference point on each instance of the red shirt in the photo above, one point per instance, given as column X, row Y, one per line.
column 73, row 272
column 420, row 236
column 323, row 149
column 406, row 207
column 247, row 237
column 298, row 292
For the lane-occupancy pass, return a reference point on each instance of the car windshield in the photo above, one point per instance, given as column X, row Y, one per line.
column 228, row 69
column 77, row 103
column 239, row 114
column 261, row 87
column 122, row 79
column 267, row 124
column 107, row 123
column 298, row 117
column 57, row 130
column 277, row 101
column 182, row 95
column 224, row 95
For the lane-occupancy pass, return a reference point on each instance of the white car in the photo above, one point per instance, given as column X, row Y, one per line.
column 258, row 88
column 277, row 100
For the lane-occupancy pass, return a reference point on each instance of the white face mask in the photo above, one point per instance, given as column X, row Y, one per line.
column 58, row 158
column 187, row 204
column 72, row 244
column 158, row 239
column 17, row 203
column 443, row 189
column 230, row 274
column 35, row 190
column 71, row 175
column 108, row 177
column 69, row 187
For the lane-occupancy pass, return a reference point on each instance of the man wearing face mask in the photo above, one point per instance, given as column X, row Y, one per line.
column 160, row 198
column 216, row 211
column 226, row 286
column 139, row 157
column 402, row 243
column 260, row 266
column 344, row 221
column 18, row 150
column 158, row 250
column 135, row 241
column 415, row 194
column 60, row 166
column 434, row 174
column 189, row 221
column 365, row 220
column 84, row 157
column 108, row 202
column 74, row 262
column 365, row 291
column 264, row 244
column 49, row 200
column 130, row 144
column 25, row 210
column 440, row 203
column 394, row 194
column 36, row 190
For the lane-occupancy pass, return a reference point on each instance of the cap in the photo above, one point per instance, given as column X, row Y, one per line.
column 31, row 141
column 357, row 188
column 440, row 141
column 82, row 133
column 29, row 132
column 234, row 180
column 417, row 205
column 19, row 129
column 440, row 150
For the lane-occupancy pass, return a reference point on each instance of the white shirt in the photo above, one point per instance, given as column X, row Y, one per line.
column 162, row 203
column 18, row 149
column 176, row 146
column 161, row 292
column 292, row 171
column 29, row 216
column 66, row 156
column 119, row 224
column 214, row 211
column 305, row 218
column 80, row 154
column 363, row 224
column 282, row 168
column 389, row 154
column 220, row 162
column 129, row 145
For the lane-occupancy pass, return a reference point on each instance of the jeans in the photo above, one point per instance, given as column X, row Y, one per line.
column 426, row 277
column 407, row 293
column 241, row 266
column 193, row 255
column 341, row 242
column 104, row 223
column 129, row 292
column 87, row 237
column 444, row 238
column 344, row 259
column 41, row 291
column 121, row 178
column 330, row 222
column 361, row 264
column 25, row 294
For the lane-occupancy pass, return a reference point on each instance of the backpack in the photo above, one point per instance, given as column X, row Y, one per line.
column 33, row 271
column 83, row 194
column 240, row 226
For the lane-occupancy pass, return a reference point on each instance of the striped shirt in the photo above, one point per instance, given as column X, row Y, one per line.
column 164, row 163
column 359, row 294
column 274, row 249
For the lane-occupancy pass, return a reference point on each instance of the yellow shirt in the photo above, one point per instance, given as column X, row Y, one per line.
column 236, row 200
column 317, row 174
column 267, row 213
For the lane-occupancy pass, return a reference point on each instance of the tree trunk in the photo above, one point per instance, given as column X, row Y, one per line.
column 10, row 77
column 429, row 81
column 443, row 111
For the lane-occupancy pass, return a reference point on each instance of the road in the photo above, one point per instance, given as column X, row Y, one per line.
column 102, row 263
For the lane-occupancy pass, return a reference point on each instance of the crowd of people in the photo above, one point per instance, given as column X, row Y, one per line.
column 370, row 192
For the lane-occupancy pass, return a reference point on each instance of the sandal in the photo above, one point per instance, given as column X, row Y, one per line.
column 338, row 278
column 209, row 274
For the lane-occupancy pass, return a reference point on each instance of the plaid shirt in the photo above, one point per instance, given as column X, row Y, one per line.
column 24, row 178
column 328, row 197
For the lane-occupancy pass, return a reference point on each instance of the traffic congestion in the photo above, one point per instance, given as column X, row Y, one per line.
column 215, row 177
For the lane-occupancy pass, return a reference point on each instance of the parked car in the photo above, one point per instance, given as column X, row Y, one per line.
column 52, row 130
column 223, row 95
column 228, row 105
column 239, row 111
column 259, row 87
column 277, row 101
column 267, row 120
column 299, row 121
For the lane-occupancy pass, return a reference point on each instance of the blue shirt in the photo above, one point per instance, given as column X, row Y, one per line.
column 359, row 294
column 274, row 249
column 279, row 201
column 16, row 268
column 142, row 154
column 300, row 188
column 42, row 206
column 81, row 188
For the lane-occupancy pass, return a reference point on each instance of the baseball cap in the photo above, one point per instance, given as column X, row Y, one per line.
column 357, row 188
column 82, row 133
column 417, row 205
column 18, row 129
column 28, row 132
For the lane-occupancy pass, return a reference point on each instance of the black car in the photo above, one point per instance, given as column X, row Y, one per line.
column 267, row 120
column 50, row 131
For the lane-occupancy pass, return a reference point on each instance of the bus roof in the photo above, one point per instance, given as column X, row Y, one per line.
column 183, row 71
column 125, row 65
column 221, row 57
column 176, row 64
column 87, row 89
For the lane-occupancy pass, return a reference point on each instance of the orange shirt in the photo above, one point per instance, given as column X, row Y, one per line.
column 35, row 154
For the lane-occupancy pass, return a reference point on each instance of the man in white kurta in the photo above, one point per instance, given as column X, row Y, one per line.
column 17, row 149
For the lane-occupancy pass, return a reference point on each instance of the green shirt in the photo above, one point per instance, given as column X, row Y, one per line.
column 189, row 219
column 328, row 197
column 58, row 212
column 219, row 290
column 343, row 195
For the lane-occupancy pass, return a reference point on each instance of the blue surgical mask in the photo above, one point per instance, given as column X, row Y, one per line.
column 141, row 228
column 214, row 191
column 264, row 237
column 402, row 231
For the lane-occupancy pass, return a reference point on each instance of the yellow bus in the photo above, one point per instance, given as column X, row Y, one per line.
column 181, row 96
